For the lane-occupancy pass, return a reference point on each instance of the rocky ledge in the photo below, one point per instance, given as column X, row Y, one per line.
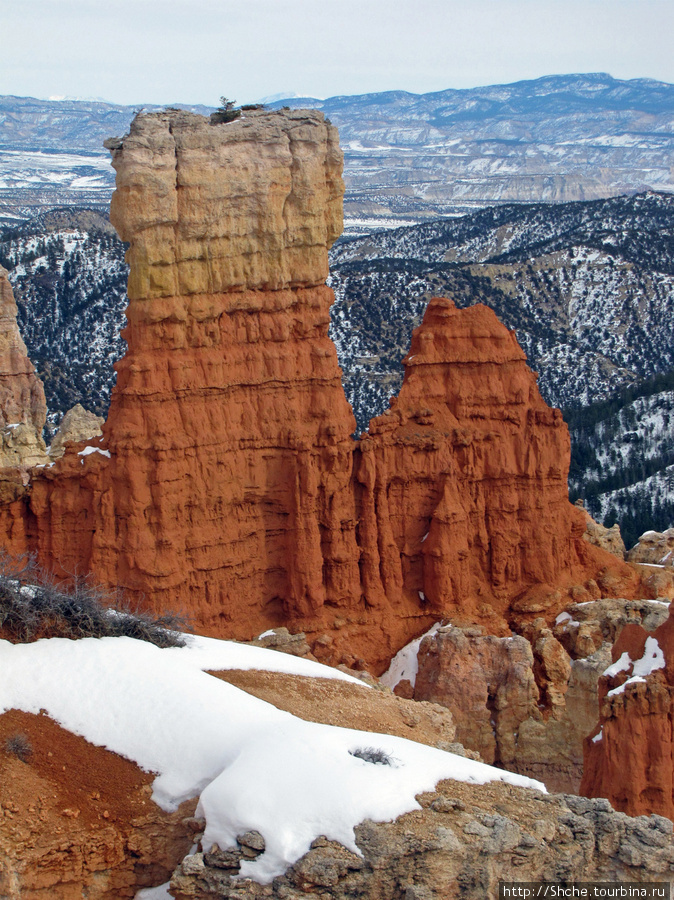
column 464, row 840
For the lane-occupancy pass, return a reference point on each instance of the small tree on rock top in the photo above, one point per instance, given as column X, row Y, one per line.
column 225, row 112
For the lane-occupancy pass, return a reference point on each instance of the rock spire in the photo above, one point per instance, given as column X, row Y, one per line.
column 227, row 481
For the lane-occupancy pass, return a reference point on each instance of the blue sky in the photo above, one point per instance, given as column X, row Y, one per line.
column 163, row 51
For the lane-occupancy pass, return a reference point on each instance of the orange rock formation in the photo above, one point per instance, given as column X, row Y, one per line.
column 227, row 481
column 629, row 759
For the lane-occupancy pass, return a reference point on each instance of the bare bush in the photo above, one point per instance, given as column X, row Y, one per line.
column 372, row 755
column 18, row 745
column 33, row 605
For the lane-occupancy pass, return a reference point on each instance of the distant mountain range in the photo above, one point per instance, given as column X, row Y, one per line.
column 559, row 138
column 408, row 157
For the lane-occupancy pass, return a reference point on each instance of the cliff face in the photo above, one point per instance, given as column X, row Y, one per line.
column 21, row 391
column 460, row 844
column 227, row 481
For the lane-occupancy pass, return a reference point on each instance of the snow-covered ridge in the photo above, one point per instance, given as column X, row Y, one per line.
column 253, row 766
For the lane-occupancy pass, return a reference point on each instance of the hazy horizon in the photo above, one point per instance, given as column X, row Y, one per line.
column 165, row 51
column 294, row 95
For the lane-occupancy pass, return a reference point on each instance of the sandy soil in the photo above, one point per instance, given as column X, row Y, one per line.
column 335, row 702
column 77, row 820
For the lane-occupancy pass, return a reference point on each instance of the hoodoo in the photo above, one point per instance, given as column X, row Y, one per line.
column 227, row 481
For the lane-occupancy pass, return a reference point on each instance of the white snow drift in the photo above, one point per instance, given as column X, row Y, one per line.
column 405, row 664
column 253, row 766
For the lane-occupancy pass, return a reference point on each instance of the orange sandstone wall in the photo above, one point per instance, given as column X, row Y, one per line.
column 227, row 482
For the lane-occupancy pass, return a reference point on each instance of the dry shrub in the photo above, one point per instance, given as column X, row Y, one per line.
column 34, row 605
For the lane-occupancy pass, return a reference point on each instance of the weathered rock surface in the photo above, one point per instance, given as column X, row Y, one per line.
column 550, row 745
column 464, row 840
column 528, row 702
column 586, row 626
column 22, row 446
column 629, row 757
column 654, row 548
column 77, row 425
column 254, row 204
column 228, row 482
column 464, row 509
column 487, row 683
column 608, row 539
column 21, row 392
column 23, row 409
column 520, row 702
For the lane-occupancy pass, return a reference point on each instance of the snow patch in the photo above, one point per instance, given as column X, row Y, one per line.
column 214, row 655
column 89, row 450
column 652, row 659
column 565, row 618
column 636, row 679
column 621, row 665
column 405, row 664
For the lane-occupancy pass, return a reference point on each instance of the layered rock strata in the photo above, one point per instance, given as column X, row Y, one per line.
column 461, row 487
column 21, row 393
column 227, row 482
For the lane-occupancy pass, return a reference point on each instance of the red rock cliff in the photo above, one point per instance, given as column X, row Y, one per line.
column 227, row 481
column 629, row 759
